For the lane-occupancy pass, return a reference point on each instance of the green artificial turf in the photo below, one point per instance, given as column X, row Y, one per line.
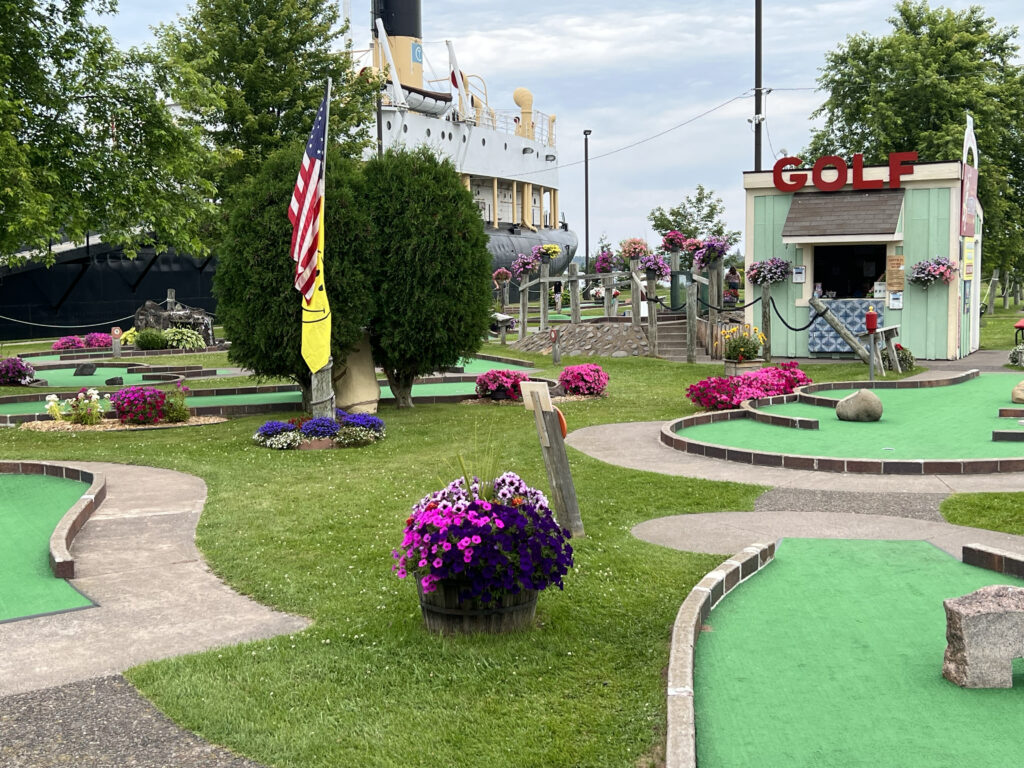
column 30, row 508
column 832, row 656
column 64, row 379
column 953, row 422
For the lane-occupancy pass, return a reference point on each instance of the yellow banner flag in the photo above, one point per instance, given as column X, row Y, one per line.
column 316, row 313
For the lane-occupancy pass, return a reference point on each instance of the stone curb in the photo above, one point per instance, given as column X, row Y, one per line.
column 61, row 562
column 681, row 741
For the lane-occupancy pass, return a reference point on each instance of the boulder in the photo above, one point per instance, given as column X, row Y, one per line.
column 116, row 381
column 862, row 405
column 1018, row 393
column 356, row 389
column 152, row 315
column 85, row 369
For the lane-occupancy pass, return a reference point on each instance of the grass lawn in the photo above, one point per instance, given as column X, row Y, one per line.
column 997, row 331
column 312, row 532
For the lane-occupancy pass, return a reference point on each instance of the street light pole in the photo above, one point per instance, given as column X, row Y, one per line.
column 586, row 201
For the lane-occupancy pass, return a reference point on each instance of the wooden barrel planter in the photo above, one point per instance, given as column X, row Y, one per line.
column 735, row 367
column 444, row 614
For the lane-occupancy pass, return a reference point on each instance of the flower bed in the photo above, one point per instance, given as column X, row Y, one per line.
column 346, row 430
column 68, row 342
column 15, row 372
column 139, row 405
column 719, row 393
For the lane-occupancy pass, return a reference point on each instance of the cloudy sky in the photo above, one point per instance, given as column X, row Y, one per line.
column 640, row 78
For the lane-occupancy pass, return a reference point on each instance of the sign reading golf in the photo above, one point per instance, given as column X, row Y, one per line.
column 899, row 165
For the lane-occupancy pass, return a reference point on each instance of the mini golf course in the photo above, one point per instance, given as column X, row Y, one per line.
column 30, row 508
column 946, row 422
column 832, row 656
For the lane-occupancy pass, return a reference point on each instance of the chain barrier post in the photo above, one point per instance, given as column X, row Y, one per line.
column 766, row 322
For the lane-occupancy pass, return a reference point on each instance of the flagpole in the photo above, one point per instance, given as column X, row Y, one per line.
column 322, row 387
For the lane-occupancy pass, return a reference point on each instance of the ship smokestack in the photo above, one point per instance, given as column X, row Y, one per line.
column 404, row 29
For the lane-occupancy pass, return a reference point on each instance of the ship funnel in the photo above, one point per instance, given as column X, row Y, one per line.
column 404, row 30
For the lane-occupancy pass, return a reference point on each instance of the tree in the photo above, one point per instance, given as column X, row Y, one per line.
column 86, row 142
column 433, row 270
column 698, row 216
column 250, row 73
column 909, row 90
column 256, row 300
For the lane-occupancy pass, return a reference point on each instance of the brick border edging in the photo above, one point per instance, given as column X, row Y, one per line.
column 681, row 738
column 85, row 354
column 61, row 562
column 670, row 436
column 993, row 559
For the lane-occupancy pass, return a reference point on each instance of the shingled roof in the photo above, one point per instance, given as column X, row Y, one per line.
column 867, row 212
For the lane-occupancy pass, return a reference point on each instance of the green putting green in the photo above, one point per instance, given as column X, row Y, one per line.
column 953, row 422
column 64, row 379
column 832, row 656
column 30, row 508
column 295, row 398
column 475, row 365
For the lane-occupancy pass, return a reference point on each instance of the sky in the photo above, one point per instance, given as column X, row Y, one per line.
column 666, row 89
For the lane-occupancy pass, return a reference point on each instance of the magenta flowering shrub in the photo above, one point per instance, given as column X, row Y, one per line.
column 525, row 263
column 607, row 262
column 503, row 382
column 139, row 405
column 673, row 240
column 15, row 372
column 68, row 342
column 719, row 393
column 493, row 546
column 585, row 379
column 94, row 340
column 710, row 251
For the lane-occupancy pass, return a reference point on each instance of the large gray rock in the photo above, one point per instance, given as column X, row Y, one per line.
column 984, row 634
column 152, row 315
column 1018, row 393
column 862, row 405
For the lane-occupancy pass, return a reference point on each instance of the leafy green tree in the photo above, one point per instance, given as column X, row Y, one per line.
column 256, row 300
column 699, row 215
column 432, row 272
column 910, row 89
column 250, row 73
column 86, row 141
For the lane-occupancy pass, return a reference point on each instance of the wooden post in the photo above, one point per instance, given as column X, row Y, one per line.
column 715, row 300
column 766, row 321
column 563, row 492
column 652, row 314
column 524, row 301
column 322, row 392
column 574, row 295
column 609, row 288
column 634, row 288
column 818, row 306
column 990, row 299
column 504, row 297
column 172, row 302
column 691, row 322
column 673, row 295
column 545, row 271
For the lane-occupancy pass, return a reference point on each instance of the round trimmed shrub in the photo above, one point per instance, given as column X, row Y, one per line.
column 904, row 355
column 1017, row 355
column 585, row 379
column 184, row 338
column 150, row 338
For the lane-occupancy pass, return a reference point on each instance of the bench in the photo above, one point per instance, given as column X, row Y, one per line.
column 984, row 634
column 1018, row 337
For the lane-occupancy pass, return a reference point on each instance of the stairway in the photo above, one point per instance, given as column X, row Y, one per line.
column 672, row 336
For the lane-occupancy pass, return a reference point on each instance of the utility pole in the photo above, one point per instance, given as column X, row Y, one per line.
column 586, row 202
column 758, row 116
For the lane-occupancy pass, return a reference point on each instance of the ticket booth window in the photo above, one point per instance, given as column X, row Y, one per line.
column 848, row 271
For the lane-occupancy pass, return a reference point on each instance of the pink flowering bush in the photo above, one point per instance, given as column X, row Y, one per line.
column 493, row 539
column 500, row 384
column 585, row 379
column 525, row 263
column 633, row 248
column 68, row 342
column 673, row 240
column 607, row 262
column 94, row 340
column 15, row 372
column 139, row 405
column 719, row 393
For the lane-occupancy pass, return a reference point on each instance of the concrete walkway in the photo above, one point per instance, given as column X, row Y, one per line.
column 61, row 699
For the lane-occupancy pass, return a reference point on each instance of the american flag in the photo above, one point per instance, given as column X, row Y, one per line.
column 304, row 210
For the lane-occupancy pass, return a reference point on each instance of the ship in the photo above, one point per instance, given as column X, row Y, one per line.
column 507, row 158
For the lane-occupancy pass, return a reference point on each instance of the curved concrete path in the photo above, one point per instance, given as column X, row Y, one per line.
column 137, row 559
